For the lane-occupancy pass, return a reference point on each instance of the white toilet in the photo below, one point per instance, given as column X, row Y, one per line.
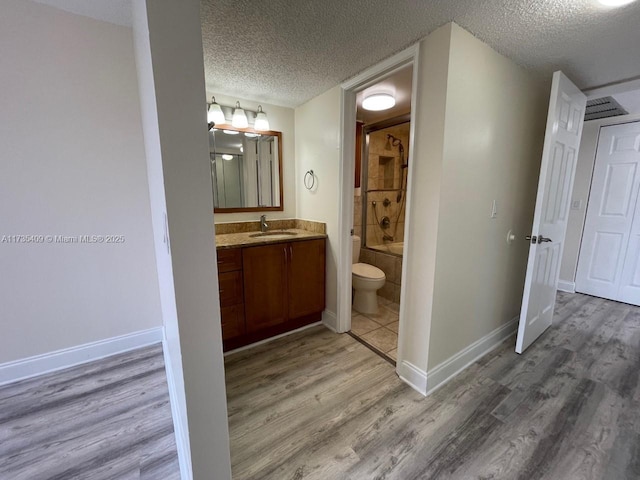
column 366, row 281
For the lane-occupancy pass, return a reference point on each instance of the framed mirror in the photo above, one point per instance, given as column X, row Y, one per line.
column 246, row 170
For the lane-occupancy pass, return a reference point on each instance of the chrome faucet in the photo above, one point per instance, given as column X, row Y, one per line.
column 263, row 223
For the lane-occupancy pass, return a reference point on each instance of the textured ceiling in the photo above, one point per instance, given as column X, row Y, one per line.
column 286, row 52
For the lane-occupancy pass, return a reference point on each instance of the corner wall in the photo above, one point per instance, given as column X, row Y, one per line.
column 317, row 148
column 73, row 163
column 581, row 189
column 416, row 301
column 171, row 75
column 281, row 119
column 494, row 131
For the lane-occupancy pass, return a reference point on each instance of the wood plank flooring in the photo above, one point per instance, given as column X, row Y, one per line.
column 105, row 420
column 315, row 405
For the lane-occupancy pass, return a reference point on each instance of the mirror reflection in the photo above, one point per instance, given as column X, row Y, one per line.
column 246, row 169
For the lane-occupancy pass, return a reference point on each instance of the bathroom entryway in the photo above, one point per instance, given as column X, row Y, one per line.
column 382, row 159
column 378, row 331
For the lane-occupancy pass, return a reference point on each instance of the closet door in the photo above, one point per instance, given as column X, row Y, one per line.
column 608, row 266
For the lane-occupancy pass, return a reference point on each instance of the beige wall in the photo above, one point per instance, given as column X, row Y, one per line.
column 581, row 187
column 494, row 130
column 73, row 163
column 281, row 119
column 424, row 209
column 317, row 148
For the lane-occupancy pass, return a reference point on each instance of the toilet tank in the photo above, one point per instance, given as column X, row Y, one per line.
column 355, row 256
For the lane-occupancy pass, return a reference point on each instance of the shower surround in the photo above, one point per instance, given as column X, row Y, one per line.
column 384, row 178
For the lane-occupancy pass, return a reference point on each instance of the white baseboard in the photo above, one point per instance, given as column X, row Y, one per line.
column 70, row 357
column 330, row 320
column 182, row 437
column 413, row 376
column 442, row 373
column 564, row 286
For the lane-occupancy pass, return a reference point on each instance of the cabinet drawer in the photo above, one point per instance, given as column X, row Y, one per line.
column 229, row 260
column 230, row 287
column 232, row 321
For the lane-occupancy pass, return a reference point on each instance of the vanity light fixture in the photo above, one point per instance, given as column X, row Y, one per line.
column 615, row 3
column 261, row 122
column 239, row 117
column 378, row 101
column 226, row 156
column 215, row 114
column 231, row 132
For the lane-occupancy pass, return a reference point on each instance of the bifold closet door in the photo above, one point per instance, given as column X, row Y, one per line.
column 609, row 262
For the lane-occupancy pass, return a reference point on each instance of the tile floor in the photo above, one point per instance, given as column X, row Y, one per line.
column 378, row 330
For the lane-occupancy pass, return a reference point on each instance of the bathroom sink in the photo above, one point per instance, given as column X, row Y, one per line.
column 274, row 235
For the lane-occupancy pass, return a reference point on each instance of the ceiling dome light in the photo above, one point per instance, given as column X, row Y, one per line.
column 215, row 114
column 239, row 117
column 378, row 101
column 226, row 156
column 615, row 3
column 261, row 123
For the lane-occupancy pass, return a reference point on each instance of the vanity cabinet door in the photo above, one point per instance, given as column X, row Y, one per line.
column 306, row 277
column 265, row 286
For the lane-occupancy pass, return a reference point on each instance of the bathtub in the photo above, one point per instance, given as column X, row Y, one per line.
column 393, row 248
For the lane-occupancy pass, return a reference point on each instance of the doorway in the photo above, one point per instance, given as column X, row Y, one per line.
column 394, row 170
column 379, row 224
column 609, row 260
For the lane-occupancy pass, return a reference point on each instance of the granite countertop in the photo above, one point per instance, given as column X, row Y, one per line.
column 244, row 239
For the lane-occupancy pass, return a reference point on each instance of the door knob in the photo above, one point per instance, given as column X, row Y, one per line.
column 544, row 239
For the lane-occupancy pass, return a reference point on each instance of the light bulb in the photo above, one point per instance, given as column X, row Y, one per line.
column 239, row 117
column 226, row 156
column 378, row 101
column 261, row 122
column 615, row 3
column 215, row 114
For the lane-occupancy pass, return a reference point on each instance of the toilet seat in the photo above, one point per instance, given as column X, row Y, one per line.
column 366, row 271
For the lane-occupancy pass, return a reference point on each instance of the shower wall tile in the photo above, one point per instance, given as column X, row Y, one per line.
column 396, row 294
column 373, row 237
column 397, row 279
column 387, row 264
column 367, row 256
column 387, row 291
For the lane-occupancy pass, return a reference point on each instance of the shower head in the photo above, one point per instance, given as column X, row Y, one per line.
column 388, row 145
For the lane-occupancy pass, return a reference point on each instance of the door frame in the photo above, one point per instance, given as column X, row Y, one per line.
column 349, row 89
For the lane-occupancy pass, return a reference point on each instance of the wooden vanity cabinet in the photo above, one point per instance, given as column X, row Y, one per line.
column 265, row 281
column 231, row 293
column 306, row 278
column 283, row 287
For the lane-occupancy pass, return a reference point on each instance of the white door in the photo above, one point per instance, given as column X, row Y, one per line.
column 557, row 170
column 608, row 265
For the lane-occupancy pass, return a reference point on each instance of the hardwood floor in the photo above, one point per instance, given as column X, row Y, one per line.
column 105, row 420
column 316, row 405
